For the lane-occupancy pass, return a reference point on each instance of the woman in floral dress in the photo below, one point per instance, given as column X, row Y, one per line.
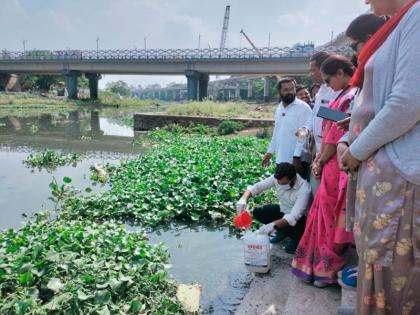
column 384, row 153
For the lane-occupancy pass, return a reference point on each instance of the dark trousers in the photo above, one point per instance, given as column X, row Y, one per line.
column 269, row 213
column 305, row 170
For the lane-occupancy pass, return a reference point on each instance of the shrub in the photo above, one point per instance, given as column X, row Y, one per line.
column 227, row 127
column 263, row 133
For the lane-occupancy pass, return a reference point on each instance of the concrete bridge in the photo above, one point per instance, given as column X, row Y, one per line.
column 195, row 64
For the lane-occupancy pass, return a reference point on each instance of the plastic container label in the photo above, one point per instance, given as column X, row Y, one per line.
column 256, row 255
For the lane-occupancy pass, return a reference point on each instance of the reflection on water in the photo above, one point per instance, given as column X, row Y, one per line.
column 210, row 256
column 99, row 136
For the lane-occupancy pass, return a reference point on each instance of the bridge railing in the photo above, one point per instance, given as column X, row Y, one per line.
column 169, row 54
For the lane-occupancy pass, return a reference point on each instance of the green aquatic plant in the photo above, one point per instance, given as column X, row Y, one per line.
column 60, row 192
column 84, row 262
column 81, row 267
column 182, row 177
column 50, row 160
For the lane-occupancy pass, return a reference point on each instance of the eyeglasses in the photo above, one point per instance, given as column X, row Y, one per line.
column 327, row 80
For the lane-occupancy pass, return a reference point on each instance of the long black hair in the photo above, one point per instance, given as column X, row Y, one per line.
column 364, row 26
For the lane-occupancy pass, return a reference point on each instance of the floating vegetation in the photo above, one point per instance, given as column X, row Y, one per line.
column 183, row 177
column 50, row 160
column 81, row 267
column 82, row 260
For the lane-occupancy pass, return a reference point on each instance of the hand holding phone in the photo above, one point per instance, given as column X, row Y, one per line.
column 331, row 114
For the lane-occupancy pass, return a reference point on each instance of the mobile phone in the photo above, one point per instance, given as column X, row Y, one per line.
column 331, row 114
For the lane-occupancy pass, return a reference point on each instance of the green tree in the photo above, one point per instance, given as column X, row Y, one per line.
column 40, row 82
column 82, row 82
column 118, row 87
column 45, row 82
column 28, row 81
column 258, row 89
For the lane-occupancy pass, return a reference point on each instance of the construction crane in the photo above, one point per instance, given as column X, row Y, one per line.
column 251, row 43
column 225, row 28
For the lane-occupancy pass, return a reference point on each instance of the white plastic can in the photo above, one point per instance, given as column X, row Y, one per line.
column 257, row 252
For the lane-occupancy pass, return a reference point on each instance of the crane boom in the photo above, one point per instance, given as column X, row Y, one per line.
column 225, row 27
column 252, row 44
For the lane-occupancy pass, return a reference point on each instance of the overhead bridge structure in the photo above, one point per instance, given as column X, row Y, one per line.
column 195, row 64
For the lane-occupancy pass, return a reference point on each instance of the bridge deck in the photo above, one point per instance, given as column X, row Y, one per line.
column 273, row 60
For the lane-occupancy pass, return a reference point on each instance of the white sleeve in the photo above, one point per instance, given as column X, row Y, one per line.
column 303, row 119
column 274, row 141
column 299, row 147
column 344, row 138
column 263, row 185
column 309, row 123
column 300, row 206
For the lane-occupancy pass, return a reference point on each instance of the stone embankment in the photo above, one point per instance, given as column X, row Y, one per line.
column 148, row 121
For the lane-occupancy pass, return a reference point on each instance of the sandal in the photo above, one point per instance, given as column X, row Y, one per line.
column 349, row 279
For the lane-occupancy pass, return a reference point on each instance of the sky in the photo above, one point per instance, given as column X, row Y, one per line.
column 123, row 24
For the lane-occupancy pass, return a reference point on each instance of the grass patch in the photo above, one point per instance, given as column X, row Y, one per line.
column 227, row 109
column 111, row 99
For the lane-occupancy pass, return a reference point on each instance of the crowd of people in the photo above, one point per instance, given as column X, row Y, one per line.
column 353, row 183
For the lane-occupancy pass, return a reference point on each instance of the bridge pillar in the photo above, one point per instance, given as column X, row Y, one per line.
column 230, row 94
column 237, row 91
column 71, row 77
column 250, row 89
column 215, row 93
column 74, row 124
column 203, row 86
column 192, row 84
column 266, row 89
column 95, row 125
column 4, row 81
column 93, row 84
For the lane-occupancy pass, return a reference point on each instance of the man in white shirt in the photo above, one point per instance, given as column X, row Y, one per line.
column 288, row 217
column 324, row 96
column 291, row 114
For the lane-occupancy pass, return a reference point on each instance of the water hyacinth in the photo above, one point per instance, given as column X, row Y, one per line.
column 83, row 262
column 50, row 160
column 184, row 177
column 81, row 267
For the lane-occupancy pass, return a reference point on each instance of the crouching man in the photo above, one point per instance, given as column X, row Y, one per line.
column 288, row 218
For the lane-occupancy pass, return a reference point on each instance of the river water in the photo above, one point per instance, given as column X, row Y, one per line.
column 208, row 255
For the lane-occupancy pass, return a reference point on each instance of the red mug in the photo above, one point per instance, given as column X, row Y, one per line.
column 243, row 220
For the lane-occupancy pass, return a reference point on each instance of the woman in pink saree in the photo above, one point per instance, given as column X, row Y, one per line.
column 321, row 251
